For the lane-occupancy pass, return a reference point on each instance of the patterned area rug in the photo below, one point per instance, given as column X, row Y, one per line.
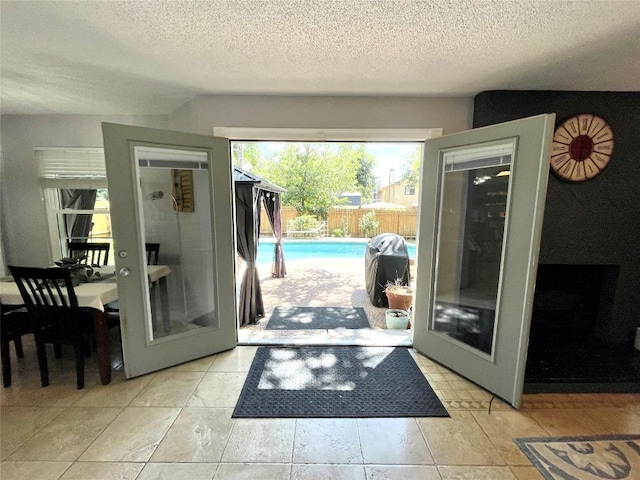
column 315, row 318
column 332, row 382
column 584, row 458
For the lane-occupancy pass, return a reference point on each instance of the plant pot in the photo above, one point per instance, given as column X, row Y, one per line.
column 396, row 319
column 399, row 298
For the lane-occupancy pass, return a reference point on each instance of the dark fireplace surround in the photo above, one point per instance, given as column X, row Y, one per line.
column 572, row 303
column 587, row 301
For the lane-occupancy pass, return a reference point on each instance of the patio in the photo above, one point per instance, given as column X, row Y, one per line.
column 316, row 283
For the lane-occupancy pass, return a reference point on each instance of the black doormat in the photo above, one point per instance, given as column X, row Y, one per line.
column 330, row 382
column 315, row 318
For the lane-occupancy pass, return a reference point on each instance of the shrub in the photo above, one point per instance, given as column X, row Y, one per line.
column 345, row 226
column 304, row 222
column 368, row 223
column 337, row 232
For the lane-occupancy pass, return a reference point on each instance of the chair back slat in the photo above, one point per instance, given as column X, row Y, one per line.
column 45, row 287
column 96, row 253
column 54, row 314
column 153, row 250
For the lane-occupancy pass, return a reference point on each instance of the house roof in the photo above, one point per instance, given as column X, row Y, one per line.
column 149, row 58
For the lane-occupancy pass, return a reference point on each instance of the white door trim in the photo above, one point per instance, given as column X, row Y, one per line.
column 328, row 134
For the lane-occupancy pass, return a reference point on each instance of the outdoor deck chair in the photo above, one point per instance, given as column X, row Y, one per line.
column 319, row 230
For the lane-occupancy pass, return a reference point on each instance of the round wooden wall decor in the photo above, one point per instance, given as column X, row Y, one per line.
column 582, row 147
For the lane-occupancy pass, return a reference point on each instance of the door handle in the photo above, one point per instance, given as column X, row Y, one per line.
column 124, row 272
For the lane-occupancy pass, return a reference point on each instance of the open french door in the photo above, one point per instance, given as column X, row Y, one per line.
column 174, row 189
column 481, row 210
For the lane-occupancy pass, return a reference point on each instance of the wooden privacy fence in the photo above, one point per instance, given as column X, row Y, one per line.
column 402, row 222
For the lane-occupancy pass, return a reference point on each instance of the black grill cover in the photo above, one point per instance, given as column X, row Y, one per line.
column 385, row 260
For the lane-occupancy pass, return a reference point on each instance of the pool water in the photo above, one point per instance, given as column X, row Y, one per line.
column 304, row 249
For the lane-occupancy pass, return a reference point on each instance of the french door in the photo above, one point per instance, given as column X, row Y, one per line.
column 481, row 210
column 172, row 189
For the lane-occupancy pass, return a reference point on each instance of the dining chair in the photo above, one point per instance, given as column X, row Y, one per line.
column 153, row 250
column 14, row 324
column 55, row 316
column 97, row 253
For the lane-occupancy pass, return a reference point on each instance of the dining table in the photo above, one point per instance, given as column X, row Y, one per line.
column 99, row 290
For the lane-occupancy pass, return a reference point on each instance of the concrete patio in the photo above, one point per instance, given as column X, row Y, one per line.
column 316, row 283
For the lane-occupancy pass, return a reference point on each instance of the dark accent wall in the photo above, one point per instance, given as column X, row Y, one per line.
column 596, row 222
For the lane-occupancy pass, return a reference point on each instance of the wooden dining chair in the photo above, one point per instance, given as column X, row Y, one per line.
column 153, row 250
column 14, row 324
column 97, row 253
column 55, row 316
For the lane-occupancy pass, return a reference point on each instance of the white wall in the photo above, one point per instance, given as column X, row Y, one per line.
column 23, row 225
column 204, row 112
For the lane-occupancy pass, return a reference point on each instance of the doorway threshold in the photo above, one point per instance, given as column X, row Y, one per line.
column 327, row 337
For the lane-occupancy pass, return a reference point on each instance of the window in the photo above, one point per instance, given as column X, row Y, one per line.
column 74, row 185
column 78, row 215
column 409, row 190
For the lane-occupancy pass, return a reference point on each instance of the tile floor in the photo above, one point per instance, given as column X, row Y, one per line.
column 177, row 423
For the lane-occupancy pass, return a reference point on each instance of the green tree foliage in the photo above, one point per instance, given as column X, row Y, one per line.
column 369, row 223
column 365, row 161
column 313, row 176
column 246, row 155
column 412, row 167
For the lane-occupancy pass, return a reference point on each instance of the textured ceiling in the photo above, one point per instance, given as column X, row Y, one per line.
column 149, row 57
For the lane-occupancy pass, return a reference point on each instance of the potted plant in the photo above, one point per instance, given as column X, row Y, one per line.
column 396, row 319
column 400, row 296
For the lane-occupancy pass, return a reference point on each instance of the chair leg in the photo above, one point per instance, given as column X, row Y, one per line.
column 17, row 342
column 78, row 350
column 42, row 362
column 6, row 363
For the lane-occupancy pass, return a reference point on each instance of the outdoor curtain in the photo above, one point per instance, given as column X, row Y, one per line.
column 251, row 306
column 274, row 214
column 78, row 226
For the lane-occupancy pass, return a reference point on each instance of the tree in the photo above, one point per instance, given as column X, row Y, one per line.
column 313, row 176
column 365, row 161
column 412, row 167
column 246, row 155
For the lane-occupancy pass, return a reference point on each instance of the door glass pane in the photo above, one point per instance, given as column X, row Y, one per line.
column 473, row 208
column 176, row 214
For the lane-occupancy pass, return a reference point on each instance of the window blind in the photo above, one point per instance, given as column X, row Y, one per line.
column 71, row 167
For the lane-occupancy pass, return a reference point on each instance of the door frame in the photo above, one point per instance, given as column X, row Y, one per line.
column 373, row 135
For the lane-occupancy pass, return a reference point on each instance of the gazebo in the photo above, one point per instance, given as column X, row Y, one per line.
column 251, row 192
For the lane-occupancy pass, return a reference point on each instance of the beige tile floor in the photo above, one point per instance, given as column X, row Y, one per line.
column 177, row 423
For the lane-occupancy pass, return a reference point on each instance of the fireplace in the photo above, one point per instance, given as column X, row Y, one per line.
column 572, row 307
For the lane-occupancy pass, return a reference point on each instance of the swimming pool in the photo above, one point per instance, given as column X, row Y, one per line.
column 303, row 249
